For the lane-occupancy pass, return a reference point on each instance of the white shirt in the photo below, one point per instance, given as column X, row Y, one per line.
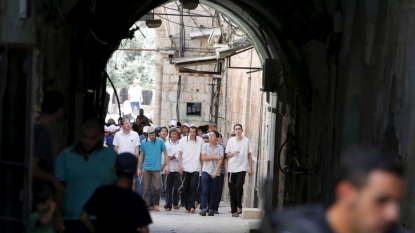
column 127, row 109
column 209, row 166
column 173, row 149
column 239, row 162
column 136, row 94
column 126, row 142
column 191, row 153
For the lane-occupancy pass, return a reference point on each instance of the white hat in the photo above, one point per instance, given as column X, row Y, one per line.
column 113, row 128
column 145, row 129
column 136, row 81
column 173, row 123
column 185, row 124
column 106, row 129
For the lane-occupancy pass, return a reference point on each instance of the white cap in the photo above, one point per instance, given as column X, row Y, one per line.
column 185, row 124
column 106, row 129
column 173, row 123
column 113, row 128
column 136, row 81
column 145, row 129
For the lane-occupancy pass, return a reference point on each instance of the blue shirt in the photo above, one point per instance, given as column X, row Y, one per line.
column 152, row 151
column 82, row 176
column 109, row 142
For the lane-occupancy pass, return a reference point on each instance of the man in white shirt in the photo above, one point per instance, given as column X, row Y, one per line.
column 174, row 178
column 135, row 95
column 190, row 151
column 239, row 154
column 127, row 140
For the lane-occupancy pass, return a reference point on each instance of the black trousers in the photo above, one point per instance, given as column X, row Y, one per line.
column 172, row 190
column 190, row 185
column 236, row 189
column 220, row 187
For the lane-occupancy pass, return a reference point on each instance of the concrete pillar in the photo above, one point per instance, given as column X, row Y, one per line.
column 157, row 93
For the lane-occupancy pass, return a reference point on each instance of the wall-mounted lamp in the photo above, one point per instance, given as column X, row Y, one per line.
column 153, row 23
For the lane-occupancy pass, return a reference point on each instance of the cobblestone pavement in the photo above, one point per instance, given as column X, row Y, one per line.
column 177, row 221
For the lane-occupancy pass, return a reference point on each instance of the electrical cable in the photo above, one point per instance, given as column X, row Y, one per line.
column 179, row 23
column 198, row 27
column 115, row 91
column 100, row 41
column 279, row 156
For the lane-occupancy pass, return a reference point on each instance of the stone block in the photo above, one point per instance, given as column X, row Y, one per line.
column 166, row 78
column 169, row 69
column 251, row 213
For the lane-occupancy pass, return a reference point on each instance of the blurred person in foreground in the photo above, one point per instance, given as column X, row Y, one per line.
column 117, row 208
column 82, row 169
column 368, row 190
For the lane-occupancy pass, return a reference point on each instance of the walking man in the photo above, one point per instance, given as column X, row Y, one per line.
column 185, row 130
column 135, row 95
column 239, row 154
column 190, row 150
column 212, row 157
column 127, row 140
column 150, row 153
column 174, row 178
column 82, row 169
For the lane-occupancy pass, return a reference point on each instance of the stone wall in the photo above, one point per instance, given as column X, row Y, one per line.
column 239, row 97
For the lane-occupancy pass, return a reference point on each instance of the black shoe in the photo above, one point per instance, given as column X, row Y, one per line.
column 216, row 212
column 203, row 213
column 211, row 213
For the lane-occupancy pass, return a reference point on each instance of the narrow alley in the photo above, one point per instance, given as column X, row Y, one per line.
column 177, row 221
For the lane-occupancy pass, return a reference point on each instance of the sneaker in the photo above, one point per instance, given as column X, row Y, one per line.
column 203, row 213
column 211, row 213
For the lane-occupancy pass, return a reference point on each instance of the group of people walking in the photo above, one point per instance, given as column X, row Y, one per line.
column 79, row 191
column 179, row 162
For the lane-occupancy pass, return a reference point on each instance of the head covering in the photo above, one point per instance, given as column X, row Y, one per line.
column 126, row 163
column 113, row 128
column 205, row 135
column 173, row 123
column 111, row 121
column 106, row 129
column 186, row 124
column 151, row 129
column 136, row 81
column 145, row 129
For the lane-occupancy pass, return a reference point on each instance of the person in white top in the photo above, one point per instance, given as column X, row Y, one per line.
column 127, row 111
column 190, row 150
column 174, row 178
column 239, row 154
column 127, row 140
column 135, row 95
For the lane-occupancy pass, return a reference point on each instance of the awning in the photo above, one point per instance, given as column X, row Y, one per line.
column 194, row 61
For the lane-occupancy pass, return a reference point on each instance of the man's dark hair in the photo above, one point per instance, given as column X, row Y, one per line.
column 237, row 125
column 136, row 128
column 92, row 124
column 52, row 102
column 356, row 165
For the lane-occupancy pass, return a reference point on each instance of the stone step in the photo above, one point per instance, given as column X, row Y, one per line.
column 251, row 213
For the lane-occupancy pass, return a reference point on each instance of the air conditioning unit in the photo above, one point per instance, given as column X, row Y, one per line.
column 215, row 36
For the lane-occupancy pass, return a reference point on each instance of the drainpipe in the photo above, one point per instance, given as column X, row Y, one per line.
column 271, row 139
column 225, row 101
column 157, row 101
column 256, row 191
